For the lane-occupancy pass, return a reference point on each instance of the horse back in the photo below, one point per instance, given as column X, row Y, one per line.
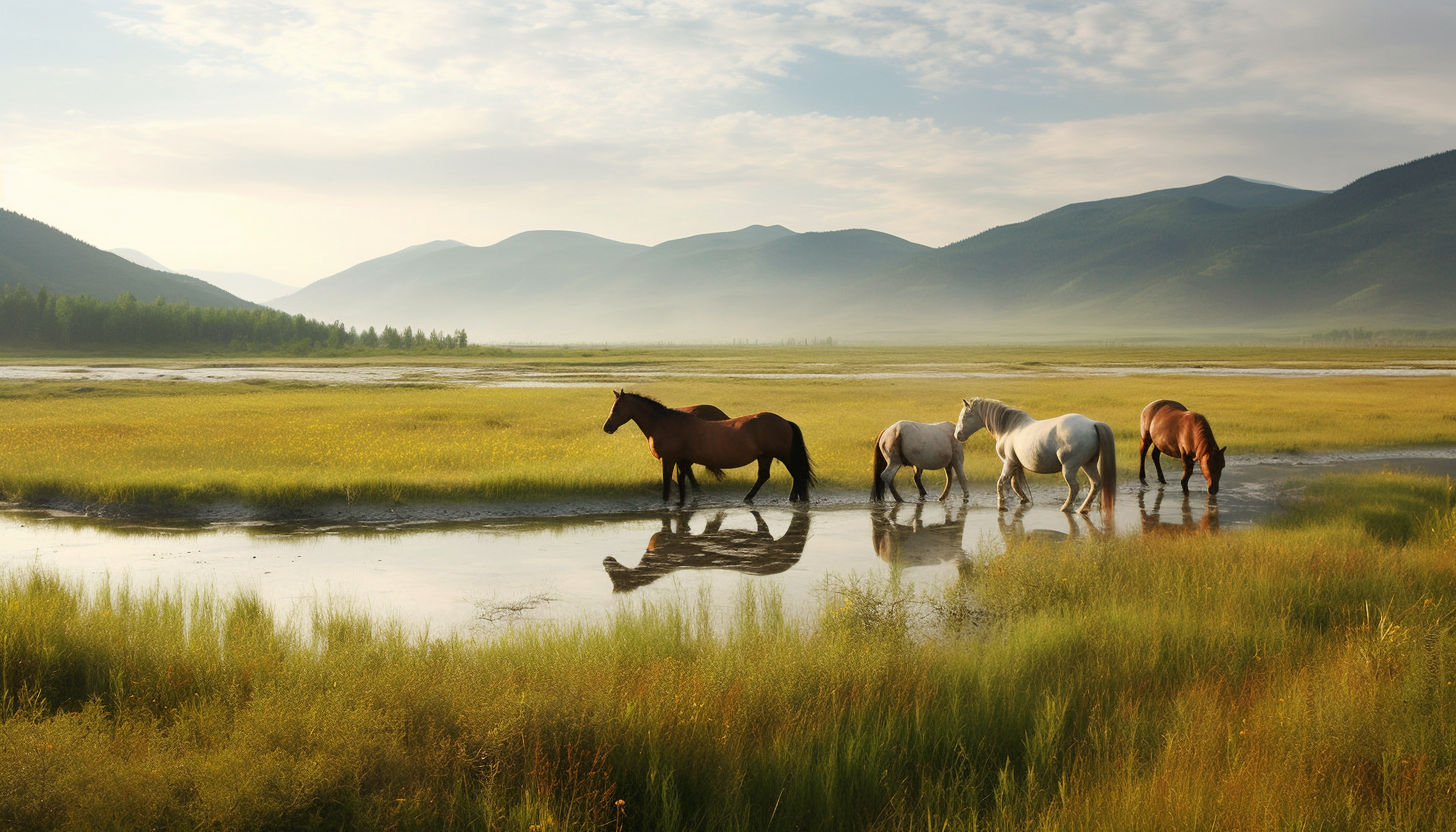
column 705, row 411
column 732, row 443
column 1176, row 432
column 1161, row 409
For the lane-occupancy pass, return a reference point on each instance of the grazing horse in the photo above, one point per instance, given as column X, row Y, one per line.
column 753, row 552
column 920, row 446
column 1063, row 444
column 1170, row 428
column 681, row 440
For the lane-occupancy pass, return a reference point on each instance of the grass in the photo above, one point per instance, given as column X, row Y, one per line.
column 275, row 443
column 1297, row 676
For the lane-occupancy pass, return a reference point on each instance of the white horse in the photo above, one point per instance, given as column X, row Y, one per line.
column 920, row 446
column 1064, row 444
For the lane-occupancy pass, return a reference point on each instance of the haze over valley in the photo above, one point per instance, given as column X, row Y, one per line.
column 1226, row 257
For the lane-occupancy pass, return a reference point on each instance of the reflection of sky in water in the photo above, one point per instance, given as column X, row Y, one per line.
column 441, row 575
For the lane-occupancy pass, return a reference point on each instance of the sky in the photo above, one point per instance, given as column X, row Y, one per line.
column 294, row 138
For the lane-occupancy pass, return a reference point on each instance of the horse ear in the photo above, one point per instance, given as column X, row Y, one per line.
column 966, row 403
column 617, row 393
column 1223, row 450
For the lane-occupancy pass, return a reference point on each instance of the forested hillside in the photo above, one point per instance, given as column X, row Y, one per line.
column 42, row 320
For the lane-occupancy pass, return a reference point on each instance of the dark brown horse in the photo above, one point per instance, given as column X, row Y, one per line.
column 681, row 440
column 1170, row 428
column 709, row 413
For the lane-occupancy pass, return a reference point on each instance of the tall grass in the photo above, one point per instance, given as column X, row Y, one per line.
column 1293, row 677
column 272, row 444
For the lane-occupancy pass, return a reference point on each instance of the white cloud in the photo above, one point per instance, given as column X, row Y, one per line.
column 648, row 120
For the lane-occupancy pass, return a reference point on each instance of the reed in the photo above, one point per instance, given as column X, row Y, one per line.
column 282, row 444
column 1294, row 676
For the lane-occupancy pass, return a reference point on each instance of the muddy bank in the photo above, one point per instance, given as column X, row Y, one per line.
column 1252, row 488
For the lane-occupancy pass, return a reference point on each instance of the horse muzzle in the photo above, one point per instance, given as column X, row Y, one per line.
column 609, row 427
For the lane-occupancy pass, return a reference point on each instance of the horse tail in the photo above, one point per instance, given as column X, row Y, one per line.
column 1107, row 464
column 716, row 472
column 799, row 463
column 881, row 463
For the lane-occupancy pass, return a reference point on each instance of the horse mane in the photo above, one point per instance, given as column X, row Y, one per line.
column 1203, row 436
column 652, row 403
column 999, row 415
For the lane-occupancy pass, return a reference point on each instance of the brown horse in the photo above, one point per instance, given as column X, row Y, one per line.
column 681, row 440
column 709, row 413
column 1170, row 428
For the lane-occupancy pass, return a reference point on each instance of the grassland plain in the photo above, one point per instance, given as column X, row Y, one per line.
column 1296, row 676
column 279, row 443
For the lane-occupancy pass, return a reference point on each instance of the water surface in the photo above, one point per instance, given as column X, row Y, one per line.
column 480, row 573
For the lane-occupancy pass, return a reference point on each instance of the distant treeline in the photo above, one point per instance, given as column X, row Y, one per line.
column 46, row 321
column 1385, row 337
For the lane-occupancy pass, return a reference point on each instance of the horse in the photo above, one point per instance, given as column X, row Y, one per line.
column 1170, row 428
column 712, row 414
column 1064, row 444
column 920, row 446
column 680, row 440
column 753, row 552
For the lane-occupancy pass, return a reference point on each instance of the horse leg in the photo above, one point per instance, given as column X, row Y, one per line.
column 1143, row 444
column 684, row 471
column 1188, row 462
column 888, row 476
column 692, row 479
column 1008, row 477
column 1095, row 490
column 763, row 465
column 1018, row 483
column 1069, row 473
column 1157, row 455
column 667, row 480
column 920, row 486
column 960, row 472
column 946, row 490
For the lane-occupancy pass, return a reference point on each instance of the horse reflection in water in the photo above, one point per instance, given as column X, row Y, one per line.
column 751, row 551
column 1153, row 522
column 1013, row 529
column 918, row 543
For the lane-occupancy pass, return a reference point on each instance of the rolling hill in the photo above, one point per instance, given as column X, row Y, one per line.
column 543, row 286
column 36, row 256
column 1227, row 255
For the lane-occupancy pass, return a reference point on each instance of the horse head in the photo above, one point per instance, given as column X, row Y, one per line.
column 1212, row 465
column 620, row 413
column 969, row 422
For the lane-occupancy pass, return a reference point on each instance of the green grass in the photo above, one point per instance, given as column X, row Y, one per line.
column 1297, row 676
column 290, row 444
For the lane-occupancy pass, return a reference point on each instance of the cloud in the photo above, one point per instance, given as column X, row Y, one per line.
column 931, row 119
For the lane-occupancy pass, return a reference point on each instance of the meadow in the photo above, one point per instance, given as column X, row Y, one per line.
column 1296, row 676
column 282, row 443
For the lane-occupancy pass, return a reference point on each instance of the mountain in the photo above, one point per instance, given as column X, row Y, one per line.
column 449, row 285
column 554, row 286
column 1229, row 255
column 35, row 255
column 249, row 287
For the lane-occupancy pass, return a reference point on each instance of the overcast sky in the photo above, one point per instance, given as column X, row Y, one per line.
column 294, row 138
